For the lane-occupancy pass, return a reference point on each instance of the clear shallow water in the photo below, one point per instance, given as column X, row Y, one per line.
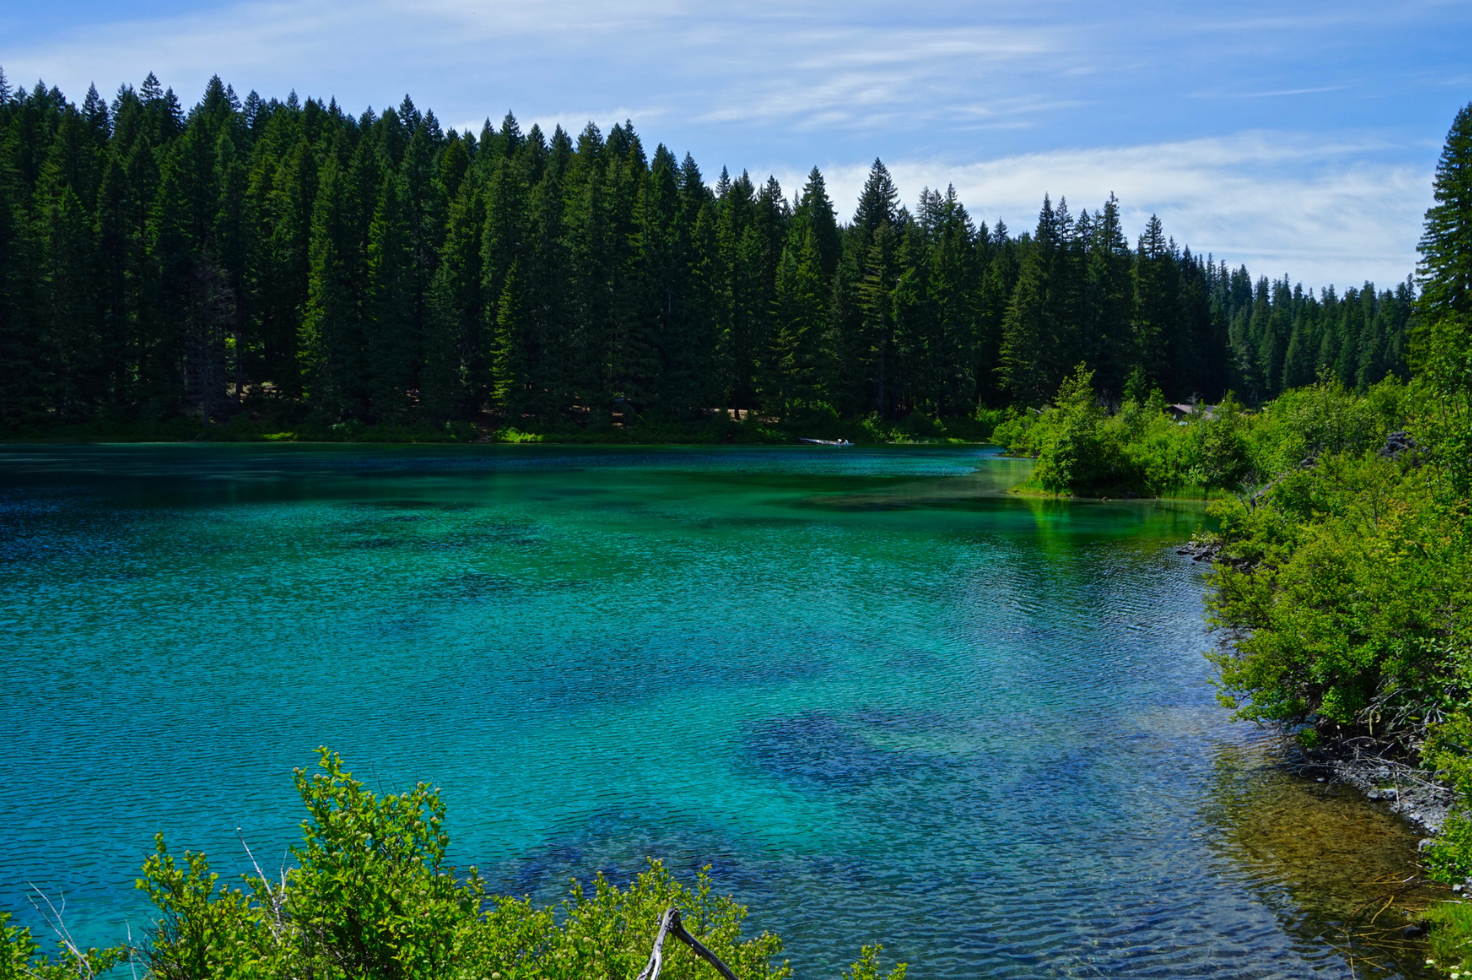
column 882, row 699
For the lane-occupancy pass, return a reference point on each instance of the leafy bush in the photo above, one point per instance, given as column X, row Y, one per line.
column 1144, row 449
column 1349, row 580
column 1326, row 418
column 20, row 956
column 1080, row 449
column 372, row 897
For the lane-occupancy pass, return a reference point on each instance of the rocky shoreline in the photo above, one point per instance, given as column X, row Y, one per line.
column 1361, row 764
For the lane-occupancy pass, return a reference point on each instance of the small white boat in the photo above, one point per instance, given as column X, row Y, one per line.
column 827, row 442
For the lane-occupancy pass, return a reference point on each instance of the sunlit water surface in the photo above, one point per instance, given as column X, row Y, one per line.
column 879, row 697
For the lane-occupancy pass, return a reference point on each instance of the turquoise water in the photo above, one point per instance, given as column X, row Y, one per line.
column 878, row 696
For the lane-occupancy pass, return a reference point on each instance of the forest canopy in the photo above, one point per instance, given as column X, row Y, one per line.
column 290, row 257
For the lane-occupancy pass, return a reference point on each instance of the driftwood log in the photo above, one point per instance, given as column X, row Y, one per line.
column 670, row 925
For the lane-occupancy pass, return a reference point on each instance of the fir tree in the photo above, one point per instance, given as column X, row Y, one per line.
column 878, row 201
column 1443, row 345
column 1446, row 244
column 390, row 324
column 508, row 364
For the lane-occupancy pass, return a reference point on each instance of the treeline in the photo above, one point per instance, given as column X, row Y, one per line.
column 290, row 257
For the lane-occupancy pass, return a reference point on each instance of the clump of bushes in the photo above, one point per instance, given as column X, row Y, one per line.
column 1142, row 449
column 373, row 897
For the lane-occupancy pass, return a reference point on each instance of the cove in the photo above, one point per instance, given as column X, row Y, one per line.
column 878, row 696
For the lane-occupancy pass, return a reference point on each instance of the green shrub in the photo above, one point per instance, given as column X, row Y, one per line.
column 1081, row 452
column 20, row 956
column 372, row 898
column 1015, row 431
column 1350, row 585
column 1144, row 449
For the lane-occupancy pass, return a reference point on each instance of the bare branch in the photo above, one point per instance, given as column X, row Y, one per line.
column 670, row 924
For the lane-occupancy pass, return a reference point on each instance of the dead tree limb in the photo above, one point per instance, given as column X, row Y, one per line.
column 670, row 925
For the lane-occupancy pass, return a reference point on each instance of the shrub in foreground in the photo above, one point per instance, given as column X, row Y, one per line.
column 372, row 898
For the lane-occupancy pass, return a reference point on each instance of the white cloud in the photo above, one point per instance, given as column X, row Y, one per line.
column 1006, row 99
column 1281, row 204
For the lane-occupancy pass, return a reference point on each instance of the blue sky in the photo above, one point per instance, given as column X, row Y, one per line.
column 1297, row 138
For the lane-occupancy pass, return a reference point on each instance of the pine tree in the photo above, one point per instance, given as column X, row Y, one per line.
column 1442, row 347
column 790, row 382
column 876, row 300
column 953, row 280
column 508, row 363
column 878, row 202
column 1153, row 321
column 1108, row 301
column 23, row 368
column 815, row 211
column 332, row 329
column 998, row 284
column 68, row 304
column 389, row 325
column 1039, row 328
column 455, row 311
column 1022, row 368
column 1446, row 244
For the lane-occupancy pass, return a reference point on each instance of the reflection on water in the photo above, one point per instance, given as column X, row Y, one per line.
column 878, row 696
column 1339, row 871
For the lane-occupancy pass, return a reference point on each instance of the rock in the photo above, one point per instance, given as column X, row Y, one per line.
column 1414, row 931
column 1399, row 444
column 1424, row 843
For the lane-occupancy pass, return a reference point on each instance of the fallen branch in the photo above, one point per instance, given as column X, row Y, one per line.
column 669, row 924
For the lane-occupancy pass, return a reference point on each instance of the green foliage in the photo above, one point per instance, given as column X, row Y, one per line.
column 1326, row 419
column 265, row 257
column 1347, row 579
column 1078, row 452
column 1451, row 937
column 21, row 957
column 1348, row 598
column 1143, row 449
column 1449, row 859
column 372, row 888
column 867, row 967
column 372, row 898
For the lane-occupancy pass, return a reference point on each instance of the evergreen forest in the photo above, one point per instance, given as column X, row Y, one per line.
column 288, row 260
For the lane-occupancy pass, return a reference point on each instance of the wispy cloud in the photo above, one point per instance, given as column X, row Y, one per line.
column 1276, row 93
column 1279, row 204
column 1006, row 98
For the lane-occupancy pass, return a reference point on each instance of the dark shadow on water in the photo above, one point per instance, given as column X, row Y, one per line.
column 472, row 586
column 819, row 749
column 619, row 846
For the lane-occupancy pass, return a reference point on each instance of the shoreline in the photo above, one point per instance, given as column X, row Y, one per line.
column 1360, row 762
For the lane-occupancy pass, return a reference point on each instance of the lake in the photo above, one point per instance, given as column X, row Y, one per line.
column 881, row 698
